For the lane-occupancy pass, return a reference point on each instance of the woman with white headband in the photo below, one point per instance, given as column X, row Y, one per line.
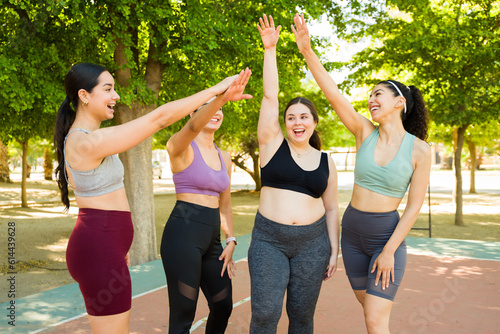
column 389, row 158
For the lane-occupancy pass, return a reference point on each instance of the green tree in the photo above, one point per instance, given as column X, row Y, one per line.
column 158, row 51
column 478, row 139
column 238, row 45
column 29, row 68
column 450, row 50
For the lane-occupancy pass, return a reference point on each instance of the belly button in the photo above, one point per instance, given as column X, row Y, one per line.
column 294, row 223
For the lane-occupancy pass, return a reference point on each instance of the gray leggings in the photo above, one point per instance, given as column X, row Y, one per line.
column 287, row 258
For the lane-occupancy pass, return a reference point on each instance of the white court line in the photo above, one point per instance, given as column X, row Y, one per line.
column 60, row 323
column 139, row 295
column 84, row 314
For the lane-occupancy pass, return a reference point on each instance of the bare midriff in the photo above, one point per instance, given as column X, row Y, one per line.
column 290, row 207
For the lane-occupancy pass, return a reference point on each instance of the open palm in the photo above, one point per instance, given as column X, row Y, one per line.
column 301, row 33
column 268, row 33
column 235, row 90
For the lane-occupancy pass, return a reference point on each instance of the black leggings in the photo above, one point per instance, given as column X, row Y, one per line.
column 190, row 250
column 286, row 258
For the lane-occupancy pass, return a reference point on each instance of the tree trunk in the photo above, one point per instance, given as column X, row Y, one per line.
column 458, row 175
column 137, row 162
column 250, row 146
column 256, row 171
column 473, row 166
column 346, row 158
column 4, row 163
column 139, row 189
column 24, row 197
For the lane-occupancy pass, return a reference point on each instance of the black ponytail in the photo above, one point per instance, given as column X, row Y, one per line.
column 64, row 119
column 416, row 117
column 315, row 140
column 81, row 76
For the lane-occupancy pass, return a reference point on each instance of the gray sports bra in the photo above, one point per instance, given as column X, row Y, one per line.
column 104, row 179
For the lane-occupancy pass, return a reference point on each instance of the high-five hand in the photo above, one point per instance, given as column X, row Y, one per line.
column 301, row 33
column 268, row 33
column 235, row 90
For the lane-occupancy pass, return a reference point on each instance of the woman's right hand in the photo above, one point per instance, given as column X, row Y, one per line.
column 268, row 33
column 301, row 33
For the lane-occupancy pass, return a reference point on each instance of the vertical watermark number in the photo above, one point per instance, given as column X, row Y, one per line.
column 11, row 273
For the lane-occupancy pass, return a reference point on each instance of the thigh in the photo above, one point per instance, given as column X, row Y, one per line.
column 356, row 260
column 307, row 270
column 399, row 269
column 269, row 274
column 215, row 287
column 118, row 323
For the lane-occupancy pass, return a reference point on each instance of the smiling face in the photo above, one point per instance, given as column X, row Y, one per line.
column 102, row 99
column 215, row 121
column 383, row 102
column 299, row 123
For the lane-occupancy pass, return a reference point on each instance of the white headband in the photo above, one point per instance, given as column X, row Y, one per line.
column 392, row 83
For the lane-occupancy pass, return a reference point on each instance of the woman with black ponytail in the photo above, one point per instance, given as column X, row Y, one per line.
column 389, row 158
column 295, row 239
column 97, row 253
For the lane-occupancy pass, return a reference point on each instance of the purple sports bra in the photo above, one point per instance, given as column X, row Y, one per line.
column 199, row 178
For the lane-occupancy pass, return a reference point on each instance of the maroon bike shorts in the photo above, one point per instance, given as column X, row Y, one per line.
column 96, row 260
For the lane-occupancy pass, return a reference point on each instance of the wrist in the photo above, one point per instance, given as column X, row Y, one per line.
column 231, row 239
column 307, row 52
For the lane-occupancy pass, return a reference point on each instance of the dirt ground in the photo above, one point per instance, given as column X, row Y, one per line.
column 42, row 230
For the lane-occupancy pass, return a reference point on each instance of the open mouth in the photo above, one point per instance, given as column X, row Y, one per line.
column 299, row 132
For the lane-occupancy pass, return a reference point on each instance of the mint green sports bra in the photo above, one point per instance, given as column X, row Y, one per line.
column 390, row 180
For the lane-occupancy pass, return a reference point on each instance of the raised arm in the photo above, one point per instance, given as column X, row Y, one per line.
column 104, row 142
column 179, row 142
column 357, row 124
column 269, row 131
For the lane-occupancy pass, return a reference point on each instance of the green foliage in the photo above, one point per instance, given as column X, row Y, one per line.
column 30, row 69
column 450, row 50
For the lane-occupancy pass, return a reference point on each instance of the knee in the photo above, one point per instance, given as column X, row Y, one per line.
column 266, row 316
column 222, row 308
column 375, row 323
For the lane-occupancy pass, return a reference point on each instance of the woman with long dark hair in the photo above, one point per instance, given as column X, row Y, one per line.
column 295, row 238
column 390, row 157
column 97, row 253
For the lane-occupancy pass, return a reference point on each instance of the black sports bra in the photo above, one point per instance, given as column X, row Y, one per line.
column 283, row 172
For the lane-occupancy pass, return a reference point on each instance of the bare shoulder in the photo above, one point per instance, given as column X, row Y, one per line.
column 227, row 158
column 331, row 163
column 421, row 151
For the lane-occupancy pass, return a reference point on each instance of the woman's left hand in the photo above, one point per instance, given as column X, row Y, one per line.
column 127, row 259
column 332, row 268
column 385, row 264
column 235, row 90
column 227, row 256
